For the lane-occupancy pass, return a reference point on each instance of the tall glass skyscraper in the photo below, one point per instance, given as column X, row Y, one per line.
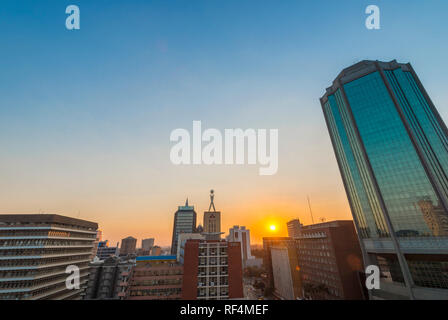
column 391, row 146
column 184, row 222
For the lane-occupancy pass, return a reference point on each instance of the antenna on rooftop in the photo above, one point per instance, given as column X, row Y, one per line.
column 311, row 212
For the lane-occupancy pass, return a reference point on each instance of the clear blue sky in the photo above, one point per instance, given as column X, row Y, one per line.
column 85, row 116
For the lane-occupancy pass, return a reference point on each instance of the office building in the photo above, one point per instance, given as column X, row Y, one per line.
column 35, row 250
column 330, row 261
column 155, row 278
column 212, row 270
column 268, row 243
column 128, row 246
column 285, row 273
column 242, row 235
column 107, row 278
column 184, row 222
column 294, row 228
column 104, row 251
column 391, row 146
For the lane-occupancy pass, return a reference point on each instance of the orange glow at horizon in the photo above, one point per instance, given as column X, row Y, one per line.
column 258, row 217
column 143, row 204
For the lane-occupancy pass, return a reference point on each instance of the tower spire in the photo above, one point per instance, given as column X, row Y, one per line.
column 186, row 203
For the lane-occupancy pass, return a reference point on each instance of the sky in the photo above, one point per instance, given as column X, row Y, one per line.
column 86, row 115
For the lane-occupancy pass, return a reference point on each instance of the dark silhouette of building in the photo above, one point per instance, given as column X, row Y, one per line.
column 108, row 278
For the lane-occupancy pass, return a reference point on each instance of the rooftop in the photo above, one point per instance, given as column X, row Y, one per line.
column 46, row 218
column 153, row 258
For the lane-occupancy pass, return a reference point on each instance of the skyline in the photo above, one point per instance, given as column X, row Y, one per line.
column 85, row 119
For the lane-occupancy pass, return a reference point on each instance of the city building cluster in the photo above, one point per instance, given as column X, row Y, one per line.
column 391, row 147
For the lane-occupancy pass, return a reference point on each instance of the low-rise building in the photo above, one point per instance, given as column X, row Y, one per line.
column 108, row 278
column 156, row 251
column 104, row 251
column 155, row 278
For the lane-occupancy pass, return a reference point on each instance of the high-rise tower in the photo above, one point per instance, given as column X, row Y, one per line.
column 184, row 222
column 391, row 146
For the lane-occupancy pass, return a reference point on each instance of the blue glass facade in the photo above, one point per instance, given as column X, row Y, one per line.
column 392, row 151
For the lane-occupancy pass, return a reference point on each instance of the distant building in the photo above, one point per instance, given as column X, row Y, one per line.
column 242, row 235
column 156, row 251
column 108, row 278
column 330, row 260
column 255, row 262
column 95, row 244
column 104, row 251
column 35, row 252
column 155, row 278
column 212, row 270
column 128, row 246
column 294, row 228
column 268, row 243
column 183, row 237
column 285, row 271
column 184, row 222
column 147, row 244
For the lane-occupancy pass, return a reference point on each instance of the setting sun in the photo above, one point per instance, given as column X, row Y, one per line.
column 272, row 227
